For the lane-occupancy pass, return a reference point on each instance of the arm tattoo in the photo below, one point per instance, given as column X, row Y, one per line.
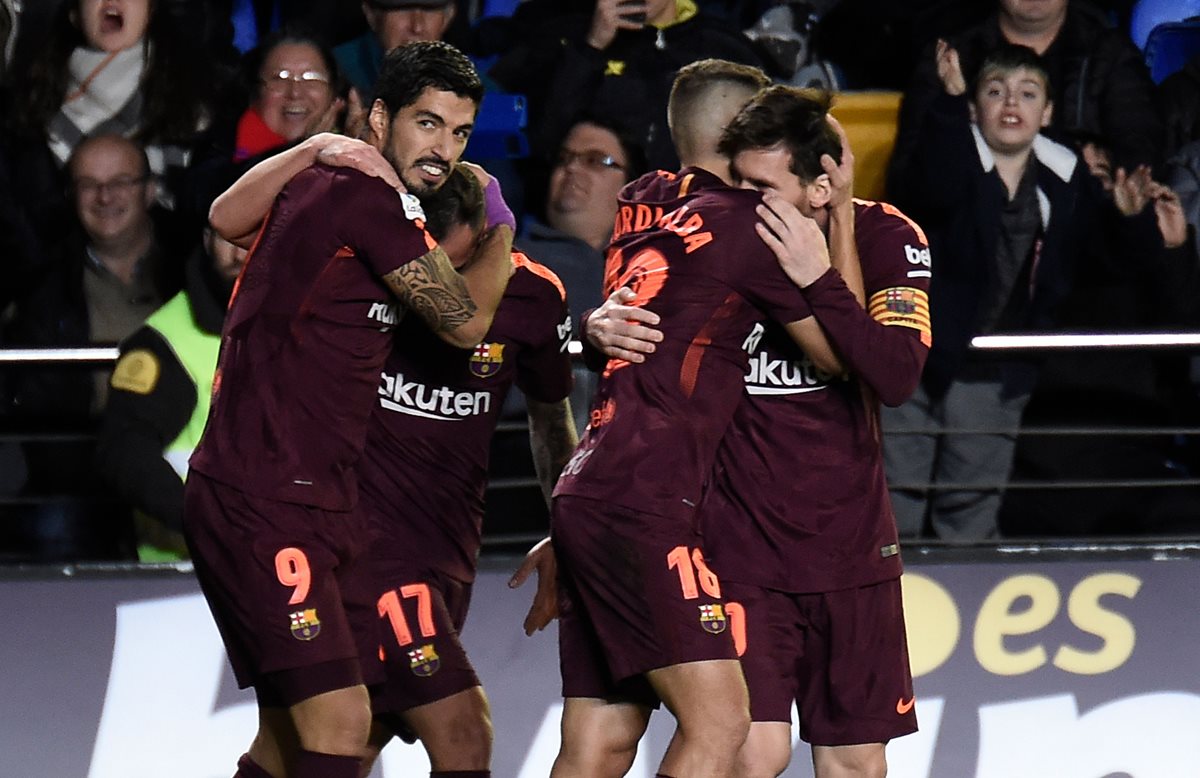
column 430, row 287
column 552, row 439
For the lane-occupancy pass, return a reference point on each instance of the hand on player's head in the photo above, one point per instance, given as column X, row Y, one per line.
column 841, row 176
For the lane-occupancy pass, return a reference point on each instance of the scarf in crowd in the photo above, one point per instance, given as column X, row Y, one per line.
column 104, row 97
column 254, row 136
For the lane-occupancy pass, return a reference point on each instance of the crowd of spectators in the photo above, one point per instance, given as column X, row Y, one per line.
column 123, row 119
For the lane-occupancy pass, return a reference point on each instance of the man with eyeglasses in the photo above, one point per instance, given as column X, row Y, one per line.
column 596, row 158
column 105, row 284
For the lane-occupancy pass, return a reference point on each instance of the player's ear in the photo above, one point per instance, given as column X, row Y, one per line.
column 377, row 123
column 819, row 191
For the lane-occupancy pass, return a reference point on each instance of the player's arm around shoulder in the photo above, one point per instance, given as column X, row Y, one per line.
column 458, row 307
column 240, row 210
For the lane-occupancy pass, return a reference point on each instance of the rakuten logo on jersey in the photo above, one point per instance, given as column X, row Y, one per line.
column 384, row 313
column 441, row 403
column 769, row 375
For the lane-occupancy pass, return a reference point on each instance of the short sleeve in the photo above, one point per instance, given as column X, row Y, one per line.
column 385, row 229
column 544, row 368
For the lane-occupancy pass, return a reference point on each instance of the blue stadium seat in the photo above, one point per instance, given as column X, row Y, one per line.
column 1169, row 47
column 1148, row 14
column 499, row 128
column 498, row 8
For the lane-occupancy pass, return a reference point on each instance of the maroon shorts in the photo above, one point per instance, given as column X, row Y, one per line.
column 635, row 595
column 420, row 614
column 285, row 588
column 841, row 657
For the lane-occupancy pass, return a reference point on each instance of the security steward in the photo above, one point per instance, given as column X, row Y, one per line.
column 159, row 397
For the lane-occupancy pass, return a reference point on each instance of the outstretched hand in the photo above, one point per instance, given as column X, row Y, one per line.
column 1168, row 211
column 544, row 609
column 340, row 151
column 612, row 16
column 1132, row 191
column 949, row 69
column 623, row 331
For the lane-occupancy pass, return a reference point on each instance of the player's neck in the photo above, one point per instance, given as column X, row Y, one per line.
column 716, row 164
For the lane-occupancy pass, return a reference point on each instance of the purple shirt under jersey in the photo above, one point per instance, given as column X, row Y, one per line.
column 305, row 337
column 423, row 474
column 798, row 500
column 686, row 243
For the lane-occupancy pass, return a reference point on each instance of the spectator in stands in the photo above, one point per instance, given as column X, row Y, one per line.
column 1100, row 81
column 1179, row 100
column 295, row 90
column 158, row 399
column 107, row 278
column 595, row 159
column 620, row 60
column 1155, row 288
column 1183, row 176
column 1005, row 210
column 105, row 68
column 392, row 23
column 110, row 271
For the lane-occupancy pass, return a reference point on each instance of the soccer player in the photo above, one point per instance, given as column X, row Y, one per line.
column 642, row 616
column 808, row 554
column 270, row 501
column 422, row 480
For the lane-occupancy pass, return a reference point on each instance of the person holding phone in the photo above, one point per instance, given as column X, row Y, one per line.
column 618, row 60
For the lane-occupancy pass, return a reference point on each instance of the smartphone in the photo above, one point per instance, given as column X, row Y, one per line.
column 637, row 17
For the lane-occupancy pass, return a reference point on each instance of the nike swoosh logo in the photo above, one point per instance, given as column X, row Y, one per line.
column 903, row 707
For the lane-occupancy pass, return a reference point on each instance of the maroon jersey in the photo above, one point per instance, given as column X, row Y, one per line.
column 424, row 470
column 305, row 337
column 687, row 245
column 798, row 500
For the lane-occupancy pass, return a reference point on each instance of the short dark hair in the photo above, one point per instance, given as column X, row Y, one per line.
column 635, row 153
column 1006, row 58
column 409, row 70
column 458, row 201
column 794, row 117
column 254, row 59
column 695, row 78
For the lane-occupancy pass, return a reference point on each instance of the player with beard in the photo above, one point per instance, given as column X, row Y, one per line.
column 270, row 503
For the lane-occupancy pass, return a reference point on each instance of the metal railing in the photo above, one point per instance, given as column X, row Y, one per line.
column 1002, row 346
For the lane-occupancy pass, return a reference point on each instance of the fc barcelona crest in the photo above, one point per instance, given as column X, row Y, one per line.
column 424, row 661
column 901, row 300
column 487, row 359
column 712, row 618
column 305, row 624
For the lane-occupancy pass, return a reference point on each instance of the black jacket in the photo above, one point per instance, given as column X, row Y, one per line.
column 138, row 427
column 952, row 190
column 1179, row 100
column 564, row 77
column 1098, row 81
